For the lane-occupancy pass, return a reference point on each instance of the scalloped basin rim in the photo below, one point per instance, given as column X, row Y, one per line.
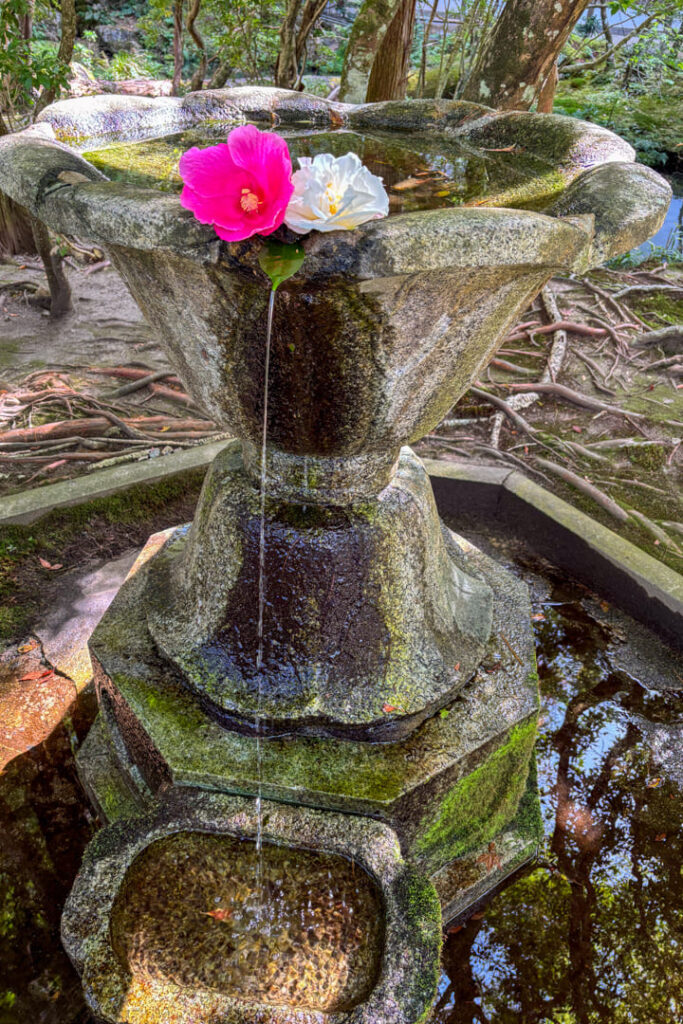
column 113, row 213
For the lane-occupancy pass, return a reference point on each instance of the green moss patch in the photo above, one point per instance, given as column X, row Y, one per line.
column 652, row 123
column 480, row 804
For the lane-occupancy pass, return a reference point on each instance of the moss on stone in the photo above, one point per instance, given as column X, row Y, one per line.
column 480, row 804
column 650, row 457
column 423, row 915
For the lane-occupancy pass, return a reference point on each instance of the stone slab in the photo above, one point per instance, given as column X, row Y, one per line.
column 79, row 602
column 33, row 700
column 30, row 505
column 630, row 578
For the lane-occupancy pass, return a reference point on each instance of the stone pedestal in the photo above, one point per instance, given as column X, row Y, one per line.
column 448, row 776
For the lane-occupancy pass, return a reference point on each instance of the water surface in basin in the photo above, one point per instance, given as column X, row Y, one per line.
column 190, row 913
column 419, row 172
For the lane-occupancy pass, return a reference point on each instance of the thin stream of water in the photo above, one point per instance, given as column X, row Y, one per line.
column 261, row 606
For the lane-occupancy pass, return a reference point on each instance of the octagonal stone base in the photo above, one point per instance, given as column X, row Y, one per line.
column 446, row 789
column 456, row 797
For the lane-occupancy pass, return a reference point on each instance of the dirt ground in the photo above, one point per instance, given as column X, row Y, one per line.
column 602, row 426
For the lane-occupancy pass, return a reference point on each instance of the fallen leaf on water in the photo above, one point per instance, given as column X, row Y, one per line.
column 654, row 783
column 48, row 565
column 219, row 914
column 402, row 186
column 490, row 859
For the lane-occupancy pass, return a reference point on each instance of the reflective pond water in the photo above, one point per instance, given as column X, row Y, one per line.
column 418, row 172
column 589, row 934
column 670, row 235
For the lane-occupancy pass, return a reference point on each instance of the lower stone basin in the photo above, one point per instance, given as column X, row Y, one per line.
column 301, row 929
column 171, row 920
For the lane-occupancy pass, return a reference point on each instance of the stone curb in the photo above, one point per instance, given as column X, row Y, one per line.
column 633, row 580
column 29, row 506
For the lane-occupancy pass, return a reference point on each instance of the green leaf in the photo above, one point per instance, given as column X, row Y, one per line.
column 280, row 261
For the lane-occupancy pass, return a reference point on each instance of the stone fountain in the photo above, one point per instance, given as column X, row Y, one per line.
column 392, row 722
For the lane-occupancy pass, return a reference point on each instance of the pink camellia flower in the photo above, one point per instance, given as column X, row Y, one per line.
column 242, row 186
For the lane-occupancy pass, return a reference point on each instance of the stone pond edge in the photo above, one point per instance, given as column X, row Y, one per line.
column 634, row 581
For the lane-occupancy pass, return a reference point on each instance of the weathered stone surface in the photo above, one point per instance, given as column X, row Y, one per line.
column 370, row 346
column 79, row 602
column 366, row 606
column 412, row 920
column 627, row 200
column 109, row 116
column 417, row 785
column 374, row 339
column 33, row 700
column 117, row 38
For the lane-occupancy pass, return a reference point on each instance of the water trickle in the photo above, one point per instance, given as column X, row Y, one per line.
column 261, row 608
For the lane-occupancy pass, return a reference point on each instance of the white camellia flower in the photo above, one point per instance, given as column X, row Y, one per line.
column 334, row 194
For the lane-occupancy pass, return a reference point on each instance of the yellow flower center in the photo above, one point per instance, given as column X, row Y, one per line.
column 249, row 201
column 334, row 198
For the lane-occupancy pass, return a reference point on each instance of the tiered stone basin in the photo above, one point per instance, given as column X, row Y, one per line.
column 398, row 680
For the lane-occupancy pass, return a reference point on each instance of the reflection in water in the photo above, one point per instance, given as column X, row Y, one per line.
column 419, row 172
column 591, row 934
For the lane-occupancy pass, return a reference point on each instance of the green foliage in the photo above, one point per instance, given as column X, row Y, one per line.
column 25, row 68
column 280, row 261
column 651, row 122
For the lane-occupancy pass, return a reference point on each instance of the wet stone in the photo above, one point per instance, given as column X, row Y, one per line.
column 194, row 912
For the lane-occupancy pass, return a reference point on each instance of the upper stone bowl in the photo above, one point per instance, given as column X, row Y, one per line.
column 384, row 327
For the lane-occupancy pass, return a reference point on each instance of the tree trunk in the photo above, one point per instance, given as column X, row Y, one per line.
column 389, row 73
column 606, row 27
column 27, row 20
column 546, row 97
column 524, row 45
column 64, row 54
column 425, row 46
column 60, row 289
column 369, row 29
column 198, row 77
column 177, row 46
column 220, row 75
column 16, row 235
column 607, row 32
column 286, row 68
column 294, row 35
